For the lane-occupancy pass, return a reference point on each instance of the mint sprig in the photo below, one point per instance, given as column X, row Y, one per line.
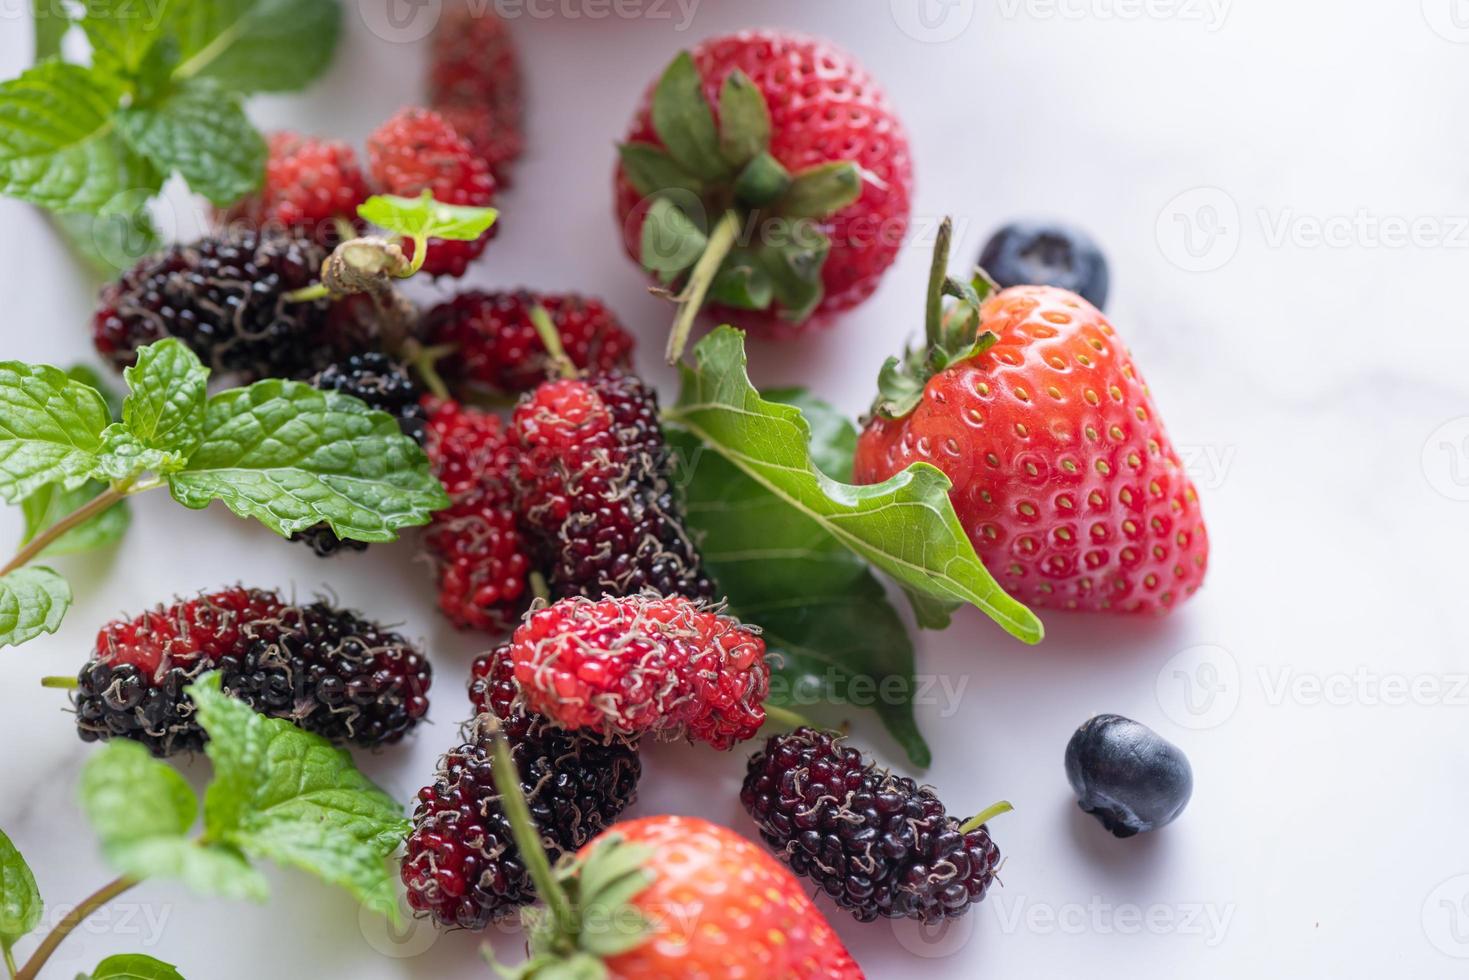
column 280, row 452
column 162, row 94
column 133, row 966
column 904, row 526
column 20, row 900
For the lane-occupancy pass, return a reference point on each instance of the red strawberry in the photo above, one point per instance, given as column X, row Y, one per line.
column 801, row 186
column 1063, row 474
column 475, row 83
column 643, row 664
column 309, row 184
column 418, row 150
column 480, row 558
column 498, row 347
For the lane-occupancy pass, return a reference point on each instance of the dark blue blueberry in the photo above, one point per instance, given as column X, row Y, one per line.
column 1127, row 775
column 1045, row 253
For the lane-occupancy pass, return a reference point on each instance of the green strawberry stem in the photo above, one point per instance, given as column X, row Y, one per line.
column 527, row 838
column 938, row 271
column 551, row 339
column 60, row 683
column 691, row 300
column 74, row 918
column 984, row 816
column 81, row 515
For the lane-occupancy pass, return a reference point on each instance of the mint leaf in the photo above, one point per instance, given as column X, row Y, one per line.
column 50, row 429
column 290, row 456
column 123, row 456
column 109, row 243
column 256, row 45
column 905, row 526
column 134, row 966
column 201, row 132
column 58, row 147
column 142, row 811
column 164, row 408
column 290, row 796
column 422, row 218
column 52, row 502
column 32, row 601
column 20, row 900
column 122, row 32
column 826, row 619
column 51, row 23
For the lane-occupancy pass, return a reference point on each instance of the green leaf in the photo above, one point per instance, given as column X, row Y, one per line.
column 794, row 268
column 165, row 403
column 135, row 966
column 762, row 181
column 650, row 169
column 58, row 147
column 123, row 456
column 288, row 795
column 123, row 31
column 257, row 45
column 822, row 190
column 905, row 526
column 422, row 217
column 51, row 24
column 826, row 619
column 32, row 601
column 50, row 429
column 142, row 811
column 52, row 502
column 109, row 243
column 744, row 120
column 742, row 284
column 290, row 456
column 670, row 241
column 20, row 900
column 200, row 132
column 684, row 122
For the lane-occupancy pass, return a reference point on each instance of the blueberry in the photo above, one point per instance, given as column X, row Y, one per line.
column 1047, row 253
column 1127, row 775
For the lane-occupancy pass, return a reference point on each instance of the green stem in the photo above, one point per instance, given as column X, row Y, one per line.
column 787, row 717
column 60, row 683
column 423, row 361
column 9, row 961
column 420, row 255
column 691, row 300
column 308, row 294
column 74, row 918
column 938, row 271
column 551, row 338
column 527, row 837
column 81, row 515
column 538, row 586
column 985, row 816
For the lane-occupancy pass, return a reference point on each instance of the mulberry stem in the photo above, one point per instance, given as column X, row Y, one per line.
column 74, row 918
column 985, row 816
column 551, row 338
column 721, row 240
column 787, row 718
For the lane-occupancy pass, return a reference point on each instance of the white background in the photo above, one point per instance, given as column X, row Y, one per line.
column 1316, row 682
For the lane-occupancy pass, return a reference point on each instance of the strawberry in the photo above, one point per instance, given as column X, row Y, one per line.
column 670, row 896
column 783, row 206
column 475, row 83
column 1062, row 472
column 418, row 150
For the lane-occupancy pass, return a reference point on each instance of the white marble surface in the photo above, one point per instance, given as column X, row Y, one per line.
column 1307, row 380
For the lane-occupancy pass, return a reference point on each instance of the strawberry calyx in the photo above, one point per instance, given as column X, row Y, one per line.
column 728, row 223
column 951, row 334
column 588, row 913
